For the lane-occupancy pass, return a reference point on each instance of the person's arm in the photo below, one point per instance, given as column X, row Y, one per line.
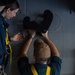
column 53, row 48
column 27, row 44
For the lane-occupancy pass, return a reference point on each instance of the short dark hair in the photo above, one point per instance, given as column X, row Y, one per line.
column 12, row 6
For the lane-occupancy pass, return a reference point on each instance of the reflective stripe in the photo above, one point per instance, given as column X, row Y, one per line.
column 48, row 71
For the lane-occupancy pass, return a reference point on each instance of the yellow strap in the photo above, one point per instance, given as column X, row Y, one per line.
column 8, row 43
column 7, row 40
column 48, row 70
column 35, row 72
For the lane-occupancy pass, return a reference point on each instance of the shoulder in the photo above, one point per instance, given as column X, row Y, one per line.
column 56, row 59
column 0, row 19
column 24, row 66
column 55, row 62
column 55, row 65
column 23, row 61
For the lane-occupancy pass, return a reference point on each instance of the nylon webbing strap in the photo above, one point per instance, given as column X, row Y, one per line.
column 48, row 70
column 8, row 43
column 35, row 72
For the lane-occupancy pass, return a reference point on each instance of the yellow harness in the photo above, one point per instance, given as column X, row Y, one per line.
column 48, row 71
column 8, row 44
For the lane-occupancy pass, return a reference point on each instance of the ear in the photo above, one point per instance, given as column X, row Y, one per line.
column 8, row 10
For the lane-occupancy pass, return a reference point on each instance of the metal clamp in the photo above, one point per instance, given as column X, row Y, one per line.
column 2, row 70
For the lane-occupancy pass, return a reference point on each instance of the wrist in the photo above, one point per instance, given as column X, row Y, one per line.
column 46, row 37
column 30, row 37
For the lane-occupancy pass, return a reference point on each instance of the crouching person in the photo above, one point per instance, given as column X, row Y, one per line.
column 43, row 51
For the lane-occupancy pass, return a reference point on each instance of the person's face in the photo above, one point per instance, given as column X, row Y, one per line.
column 11, row 14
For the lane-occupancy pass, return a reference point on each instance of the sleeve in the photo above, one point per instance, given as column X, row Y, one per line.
column 2, row 40
column 23, row 63
column 24, row 66
column 0, row 37
column 56, row 65
column 2, row 48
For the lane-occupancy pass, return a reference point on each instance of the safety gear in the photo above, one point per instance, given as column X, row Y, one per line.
column 2, row 70
column 8, row 48
column 48, row 71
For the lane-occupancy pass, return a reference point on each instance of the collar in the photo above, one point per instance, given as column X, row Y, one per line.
column 40, row 65
column 4, row 21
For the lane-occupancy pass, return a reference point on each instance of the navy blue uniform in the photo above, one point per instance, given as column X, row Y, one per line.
column 3, row 26
column 25, row 69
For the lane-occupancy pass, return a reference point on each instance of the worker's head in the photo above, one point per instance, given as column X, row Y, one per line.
column 41, row 51
column 3, row 3
column 11, row 10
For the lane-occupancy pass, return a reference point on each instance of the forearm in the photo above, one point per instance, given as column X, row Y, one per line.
column 26, row 47
column 53, row 48
column 27, row 43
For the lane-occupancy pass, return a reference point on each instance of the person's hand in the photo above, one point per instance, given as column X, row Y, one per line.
column 31, row 33
column 17, row 37
column 45, row 35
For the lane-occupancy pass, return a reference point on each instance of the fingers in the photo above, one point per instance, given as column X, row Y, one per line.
column 45, row 35
column 18, row 37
